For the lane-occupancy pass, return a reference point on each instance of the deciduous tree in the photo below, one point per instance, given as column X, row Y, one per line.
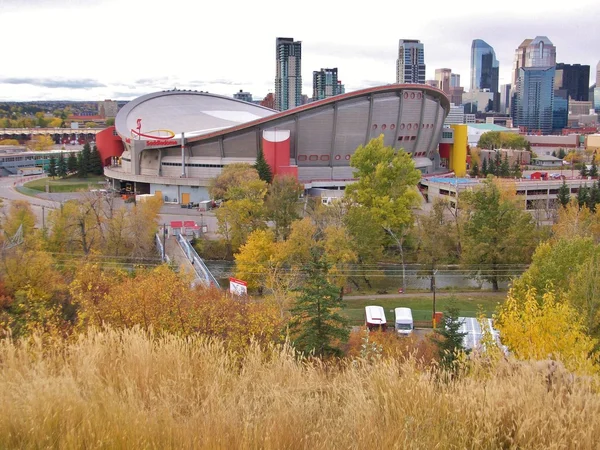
column 40, row 143
column 232, row 175
column 282, row 204
column 498, row 235
column 550, row 328
column 255, row 258
column 386, row 188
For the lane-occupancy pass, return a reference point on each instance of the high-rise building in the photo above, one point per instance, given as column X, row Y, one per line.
column 533, row 106
column 519, row 61
column 454, row 80
column 244, row 96
column 326, row 84
column 484, row 66
column 538, row 52
column 410, row 66
column 268, row 101
column 505, row 91
column 560, row 109
column 443, row 77
column 575, row 79
column 541, row 52
column 596, row 94
column 288, row 77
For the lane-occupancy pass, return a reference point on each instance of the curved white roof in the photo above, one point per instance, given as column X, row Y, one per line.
column 189, row 112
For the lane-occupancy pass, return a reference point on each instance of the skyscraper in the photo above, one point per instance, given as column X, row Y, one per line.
column 326, row 84
column 534, row 99
column 519, row 62
column 484, row 66
column 454, row 80
column 540, row 53
column 575, row 79
column 532, row 104
column 444, row 79
column 288, row 77
column 505, row 94
column 410, row 66
column 597, row 90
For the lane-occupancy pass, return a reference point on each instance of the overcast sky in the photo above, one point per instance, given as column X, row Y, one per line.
column 120, row 49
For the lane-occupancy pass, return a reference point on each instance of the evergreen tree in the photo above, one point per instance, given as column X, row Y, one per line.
column 562, row 153
column 564, row 194
column 484, row 167
column 475, row 170
column 262, row 167
column 583, row 172
column 505, row 167
column 95, row 162
column 497, row 164
column 516, row 170
column 52, row 167
column 450, row 338
column 72, row 163
column 83, row 161
column 582, row 196
column 316, row 325
column 593, row 197
column 594, row 169
column 61, row 166
column 554, row 153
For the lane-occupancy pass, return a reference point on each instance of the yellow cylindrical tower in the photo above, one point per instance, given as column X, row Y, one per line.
column 458, row 154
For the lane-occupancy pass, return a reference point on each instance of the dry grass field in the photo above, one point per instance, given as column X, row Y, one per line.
column 126, row 390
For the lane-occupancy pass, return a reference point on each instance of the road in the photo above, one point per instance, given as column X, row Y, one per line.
column 438, row 294
column 42, row 203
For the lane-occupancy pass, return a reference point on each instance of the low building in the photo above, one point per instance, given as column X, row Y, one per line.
column 547, row 161
column 537, row 194
column 546, row 144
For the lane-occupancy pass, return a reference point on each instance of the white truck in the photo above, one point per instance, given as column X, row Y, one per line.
column 404, row 321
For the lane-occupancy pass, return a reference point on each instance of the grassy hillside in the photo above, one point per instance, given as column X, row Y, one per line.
column 124, row 390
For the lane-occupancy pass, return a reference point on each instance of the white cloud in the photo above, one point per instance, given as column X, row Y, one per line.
column 134, row 46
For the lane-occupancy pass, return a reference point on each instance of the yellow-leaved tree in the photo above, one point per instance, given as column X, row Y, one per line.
column 252, row 263
column 546, row 329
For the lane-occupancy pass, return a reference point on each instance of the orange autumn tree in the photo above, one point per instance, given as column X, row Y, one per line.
column 162, row 301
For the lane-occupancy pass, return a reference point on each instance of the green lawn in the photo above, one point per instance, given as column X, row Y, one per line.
column 421, row 307
column 69, row 184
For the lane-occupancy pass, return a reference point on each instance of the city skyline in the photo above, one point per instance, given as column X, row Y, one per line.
column 123, row 51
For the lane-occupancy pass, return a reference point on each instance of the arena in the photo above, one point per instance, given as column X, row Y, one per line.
column 172, row 143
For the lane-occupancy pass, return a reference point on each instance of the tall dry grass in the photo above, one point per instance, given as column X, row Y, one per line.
column 125, row 390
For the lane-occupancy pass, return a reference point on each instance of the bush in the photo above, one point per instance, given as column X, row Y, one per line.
column 212, row 249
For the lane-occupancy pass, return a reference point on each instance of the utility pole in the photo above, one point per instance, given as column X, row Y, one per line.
column 43, row 219
column 164, row 248
column 433, row 272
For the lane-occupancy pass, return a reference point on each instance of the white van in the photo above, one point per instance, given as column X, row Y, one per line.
column 375, row 318
column 404, row 321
